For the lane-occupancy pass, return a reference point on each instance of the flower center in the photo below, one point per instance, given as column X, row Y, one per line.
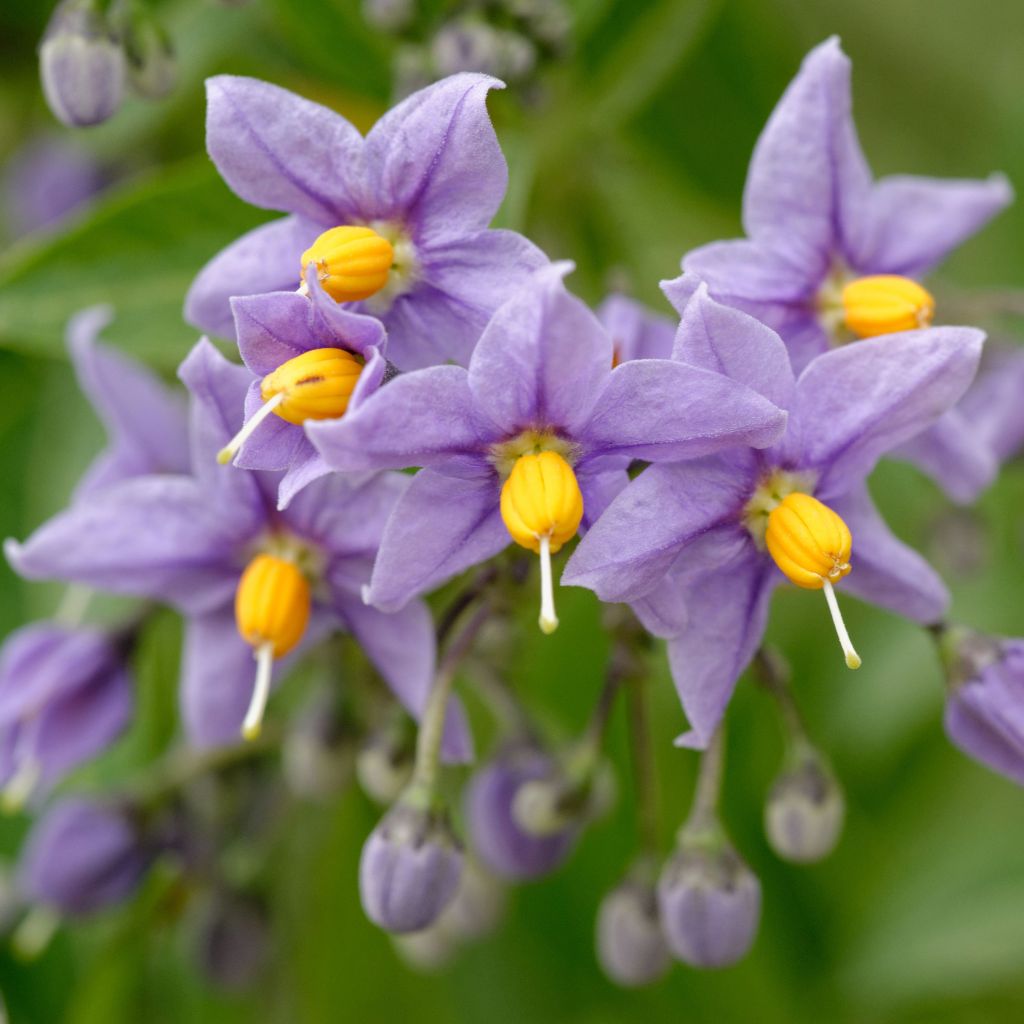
column 809, row 542
column 272, row 607
column 864, row 307
column 503, row 456
column 316, row 385
column 541, row 505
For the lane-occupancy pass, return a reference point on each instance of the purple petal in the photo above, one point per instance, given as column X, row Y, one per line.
column 600, row 488
column 808, row 178
column 742, row 272
column 911, row 224
column 441, row 526
column 434, row 161
column 636, row 331
column 275, row 444
column 144, row 419
column 952, row 452
column 993, row 405
column 424, row 418
column 543, row 359
column 283, row 152
column 266, row 259
column 663, row 411
column 155, row 537
column 630, row 548
column 725, row 340
column 401, row 646
column 307, row 468
column 662, row 611
column 855, row 403
column 885, row 571
column 728, row 613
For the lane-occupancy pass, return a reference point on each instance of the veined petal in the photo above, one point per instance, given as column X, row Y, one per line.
column 265, row 259
column 993, row 405
column 280, row 151
column 740, row 271
column 885, row 571
column 441, row 526
column 636, row 331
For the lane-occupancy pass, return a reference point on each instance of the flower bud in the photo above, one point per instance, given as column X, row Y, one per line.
column 710, row 903
column 410, row 868
column 631, row 947
column 152, row 69
column 427, row 951
column 804, row 812
column 985, row 676
column 82, row 856
column 81, row 64
column 496, row 833
column 233, row 942
column 384, row 764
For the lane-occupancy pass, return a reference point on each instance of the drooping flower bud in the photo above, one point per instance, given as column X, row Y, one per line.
column 385, row 761
column 985, row 677
column 886, row 304
column 542, row 507
column 152, row 69
column 496, row 835
column 811, row 545
column 81, row 64
column 82, row 856
column 272, row 608
column 805, row 810
column 352, row 263
column 631, row 946
column 710, row 903
column 410, row 867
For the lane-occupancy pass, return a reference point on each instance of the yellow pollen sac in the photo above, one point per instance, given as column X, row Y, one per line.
column 272, row 604
column 811, row 545
column 352, row 263
column 541, row 505
column 316, row 385
column 886, row 304
column 541, row 499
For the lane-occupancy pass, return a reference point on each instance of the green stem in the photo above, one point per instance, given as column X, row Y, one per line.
column 644, row 775
column 773, row 674
column 703, row 815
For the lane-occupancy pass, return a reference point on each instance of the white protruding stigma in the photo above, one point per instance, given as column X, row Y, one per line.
column 264, row 655
column 232, row 448
column 548, row 619
column 852, row 657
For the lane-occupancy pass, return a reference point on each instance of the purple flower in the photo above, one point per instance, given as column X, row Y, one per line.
column 497, row 838
column 83, row 856
column 276, row 331
column 716, row 531
column 194, row 541
column 636, row 332
column 423, row 185
column 145, row 420
column 531, row 441
column 64, row 697
column 630, row 943
column 409, row 869
column 815, row 221
column 985, row 709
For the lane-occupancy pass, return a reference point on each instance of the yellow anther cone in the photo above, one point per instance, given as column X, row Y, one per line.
column 316, row 385
column 886, row 304
column 352, row 263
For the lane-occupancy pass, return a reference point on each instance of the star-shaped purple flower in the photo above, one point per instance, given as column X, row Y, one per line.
column 815, row 220
column 698, row 527
column 186, row 540
column 428, row 178
column 540, row 381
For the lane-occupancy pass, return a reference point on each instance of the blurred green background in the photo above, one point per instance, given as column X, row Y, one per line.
column 633, row 150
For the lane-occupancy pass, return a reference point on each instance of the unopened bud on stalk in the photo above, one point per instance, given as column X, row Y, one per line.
column 81, row 64
column 385, row 761
column 152, row 68
column 805, row 810
column 631, row 946
column 551, row 804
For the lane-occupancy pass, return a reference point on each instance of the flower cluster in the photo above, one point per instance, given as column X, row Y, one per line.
column 420, row 397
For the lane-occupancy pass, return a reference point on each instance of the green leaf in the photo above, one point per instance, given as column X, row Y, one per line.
column 139, row 251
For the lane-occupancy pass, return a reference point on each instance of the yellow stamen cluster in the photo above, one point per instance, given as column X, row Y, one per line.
column 809, row 542
column 272, row 604
column 885, row 304
column 352, row 263
column 316, row 385
column 541, row 499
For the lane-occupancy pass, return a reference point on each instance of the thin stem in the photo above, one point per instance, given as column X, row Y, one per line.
column 644, row 774
column 771, row 672
column 704, row 811
column 428, row 741
column 466, row 597
column 507, row 712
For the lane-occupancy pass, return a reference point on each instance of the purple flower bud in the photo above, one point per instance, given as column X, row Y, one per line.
column 82, row 856
column 409, row 870
column 384, row 763
column 985, row 708
column 496, row 835
column 631, row 947
column 710, row 904
column 805, row 810
column 81, row 65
